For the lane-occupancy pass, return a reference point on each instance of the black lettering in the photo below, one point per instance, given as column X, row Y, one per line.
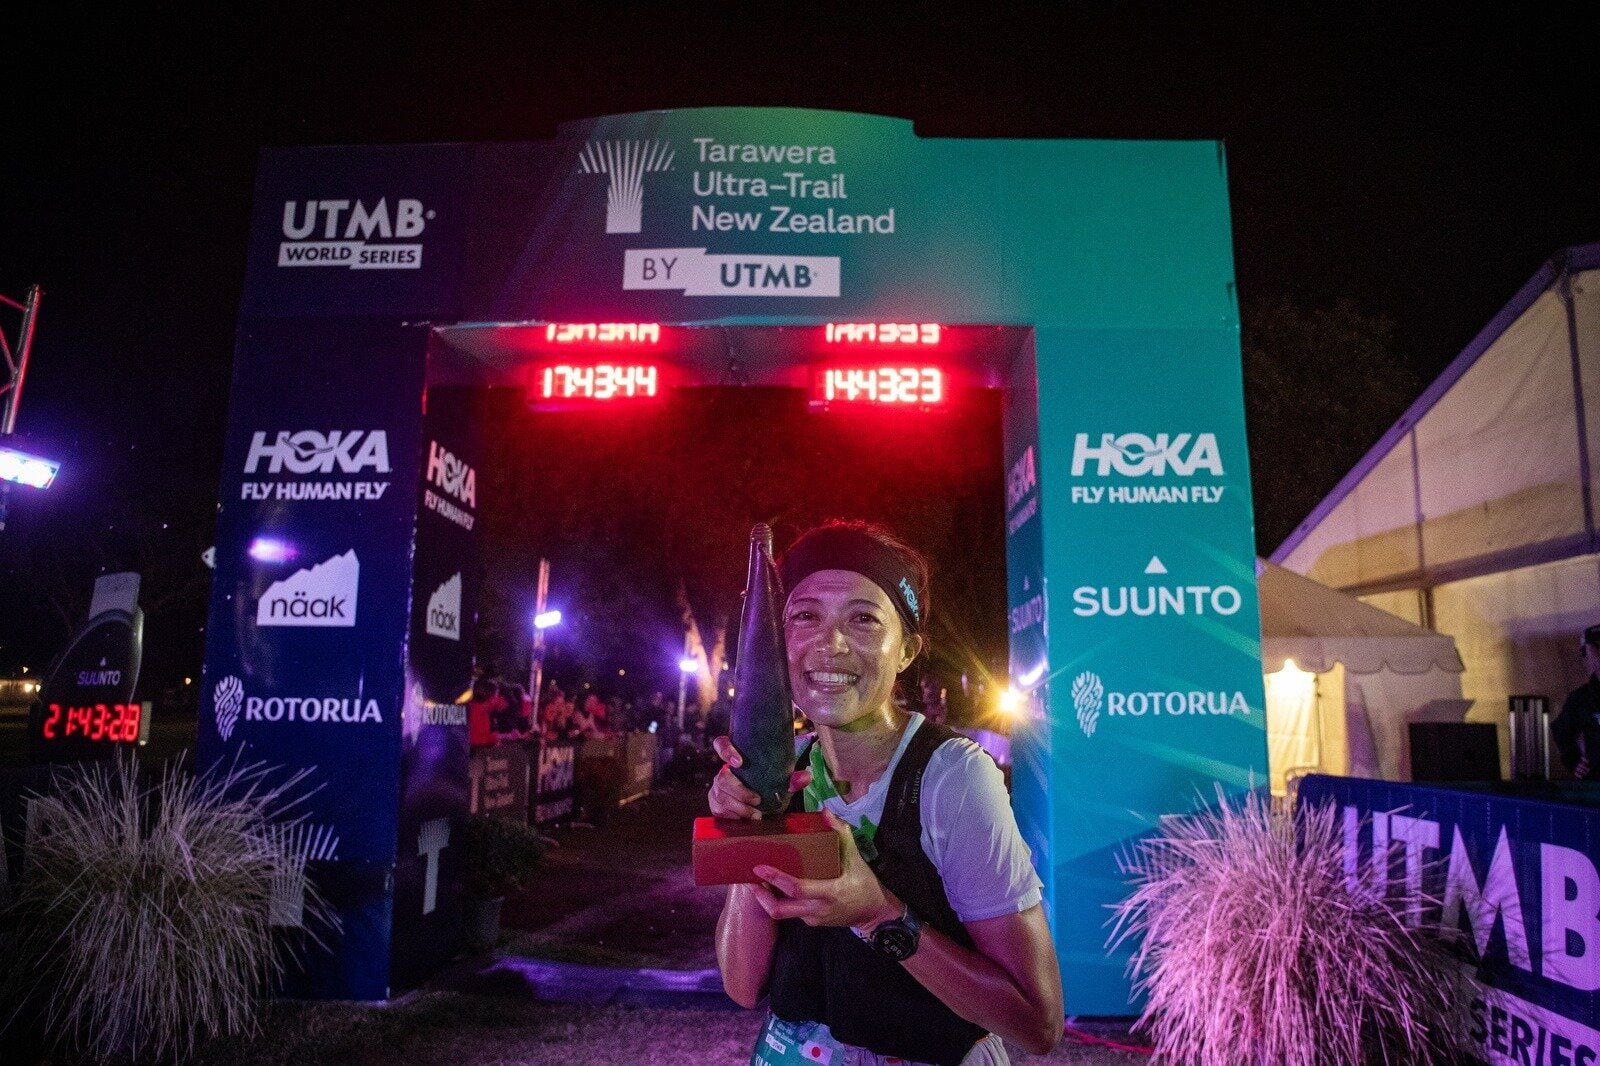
column 1479, row 1028
column 1497, row 1029
column 1521, row 1039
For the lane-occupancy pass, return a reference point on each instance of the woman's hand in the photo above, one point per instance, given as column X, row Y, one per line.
column 729, row 798
column 856, row 897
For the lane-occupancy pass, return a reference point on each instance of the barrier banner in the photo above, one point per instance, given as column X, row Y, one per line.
column 639, row 766
column 1518, row 877
column 499, row 780
column 555, row 782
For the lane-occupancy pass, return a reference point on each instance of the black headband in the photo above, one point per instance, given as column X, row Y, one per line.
column 843, row 548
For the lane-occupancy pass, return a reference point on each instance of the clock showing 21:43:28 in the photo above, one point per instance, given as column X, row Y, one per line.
column 110, row 722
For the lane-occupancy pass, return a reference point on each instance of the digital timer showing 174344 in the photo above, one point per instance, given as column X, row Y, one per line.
column 115, row 723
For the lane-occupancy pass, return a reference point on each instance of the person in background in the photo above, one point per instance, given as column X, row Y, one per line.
column 933, row 700
column 486, row 703
column 594, row 709
column 1576, row 729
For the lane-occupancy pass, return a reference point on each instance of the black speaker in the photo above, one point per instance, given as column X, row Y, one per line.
column 1454, row 751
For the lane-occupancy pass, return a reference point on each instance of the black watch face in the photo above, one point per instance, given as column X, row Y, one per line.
column 895, row 940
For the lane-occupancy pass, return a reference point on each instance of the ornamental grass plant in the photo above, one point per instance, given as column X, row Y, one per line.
column 142, row 924
column 1252, row 947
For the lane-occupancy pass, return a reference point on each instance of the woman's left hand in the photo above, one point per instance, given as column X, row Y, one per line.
column 855, row 897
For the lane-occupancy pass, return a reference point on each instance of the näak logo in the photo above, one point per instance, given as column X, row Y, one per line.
column 226, row 699
column 320, row 595
column 444, row 610
column 626, row 163
column 1087, row 696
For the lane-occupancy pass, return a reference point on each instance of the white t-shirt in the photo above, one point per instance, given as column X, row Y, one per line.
column 968, row 830
column 970, row 836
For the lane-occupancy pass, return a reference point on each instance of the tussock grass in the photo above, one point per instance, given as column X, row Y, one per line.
column 1252, row 948
column 143, row 918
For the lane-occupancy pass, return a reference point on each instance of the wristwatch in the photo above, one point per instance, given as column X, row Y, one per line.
column 897, row 938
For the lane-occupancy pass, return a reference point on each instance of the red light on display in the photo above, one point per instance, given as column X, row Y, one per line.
column 599, row 381
column 902, row 386
column 603, row 333
column 112, row 723
column 900, row 333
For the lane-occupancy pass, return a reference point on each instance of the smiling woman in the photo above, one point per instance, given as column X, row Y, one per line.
column 931, row 945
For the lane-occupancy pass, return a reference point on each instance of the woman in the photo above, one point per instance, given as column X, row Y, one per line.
column 932, row 944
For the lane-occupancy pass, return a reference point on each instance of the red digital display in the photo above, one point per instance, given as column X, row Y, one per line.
column 113, row 723
column 893, row 333
column 902, row 386
column 599, row 381
column 603, row 333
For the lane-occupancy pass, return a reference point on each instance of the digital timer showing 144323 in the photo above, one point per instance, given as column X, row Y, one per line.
column 899, row 386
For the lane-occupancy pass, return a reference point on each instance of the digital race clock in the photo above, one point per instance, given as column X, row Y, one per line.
column 599, row 382
column 899, row 386
column 112, row 723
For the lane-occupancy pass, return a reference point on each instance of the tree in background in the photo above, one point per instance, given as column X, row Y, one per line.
column 1321, row 386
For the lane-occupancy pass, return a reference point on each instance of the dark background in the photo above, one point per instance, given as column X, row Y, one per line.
column 1395, row 177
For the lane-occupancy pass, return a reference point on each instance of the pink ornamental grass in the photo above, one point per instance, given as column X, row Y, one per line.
column 1253, row 948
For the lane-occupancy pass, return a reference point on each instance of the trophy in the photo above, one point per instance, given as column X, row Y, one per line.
column 762, row 728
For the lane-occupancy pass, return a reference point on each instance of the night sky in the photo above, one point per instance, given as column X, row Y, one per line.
column 1421, row 166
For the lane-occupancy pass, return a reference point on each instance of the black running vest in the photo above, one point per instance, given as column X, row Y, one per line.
column 827, row 974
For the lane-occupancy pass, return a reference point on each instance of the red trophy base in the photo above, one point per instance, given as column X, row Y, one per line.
column 801, row 845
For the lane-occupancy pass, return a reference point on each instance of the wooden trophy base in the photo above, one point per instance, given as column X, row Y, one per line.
column 801, row 845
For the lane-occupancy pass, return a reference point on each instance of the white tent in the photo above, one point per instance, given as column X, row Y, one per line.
column 1475, row 515
column 1344, row 679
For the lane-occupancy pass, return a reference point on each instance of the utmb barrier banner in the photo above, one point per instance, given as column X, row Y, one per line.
column 1518, row 878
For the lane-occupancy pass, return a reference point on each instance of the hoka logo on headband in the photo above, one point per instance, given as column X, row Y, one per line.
column 911, row 598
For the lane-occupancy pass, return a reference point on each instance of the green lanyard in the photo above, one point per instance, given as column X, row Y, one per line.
column 821, row 789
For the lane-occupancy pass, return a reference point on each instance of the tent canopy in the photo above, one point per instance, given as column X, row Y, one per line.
column 1494, row 466
column 1317, row 626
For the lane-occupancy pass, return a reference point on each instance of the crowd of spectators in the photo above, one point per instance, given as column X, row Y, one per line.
column 501, row 711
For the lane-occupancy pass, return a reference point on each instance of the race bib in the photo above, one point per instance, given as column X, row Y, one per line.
column 784, row 1043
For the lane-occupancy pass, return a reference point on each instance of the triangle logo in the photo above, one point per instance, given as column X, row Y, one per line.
column 1155, row 566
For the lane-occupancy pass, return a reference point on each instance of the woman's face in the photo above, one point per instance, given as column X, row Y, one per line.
column 846, row 645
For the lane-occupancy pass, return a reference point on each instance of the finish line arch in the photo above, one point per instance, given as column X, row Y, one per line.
column 1091, row 281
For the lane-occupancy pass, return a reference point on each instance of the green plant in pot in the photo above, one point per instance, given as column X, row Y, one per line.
column 502, row 857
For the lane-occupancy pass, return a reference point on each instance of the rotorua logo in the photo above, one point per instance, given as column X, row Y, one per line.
column 626, row 163
column 349, row 234
column 444, row 610
column 1146, row 600
column 1089, row 697
column 226, row 700
column 230, row 705
column 322, row 595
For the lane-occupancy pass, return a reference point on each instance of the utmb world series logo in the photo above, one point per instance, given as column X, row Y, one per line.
column 626, row 163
